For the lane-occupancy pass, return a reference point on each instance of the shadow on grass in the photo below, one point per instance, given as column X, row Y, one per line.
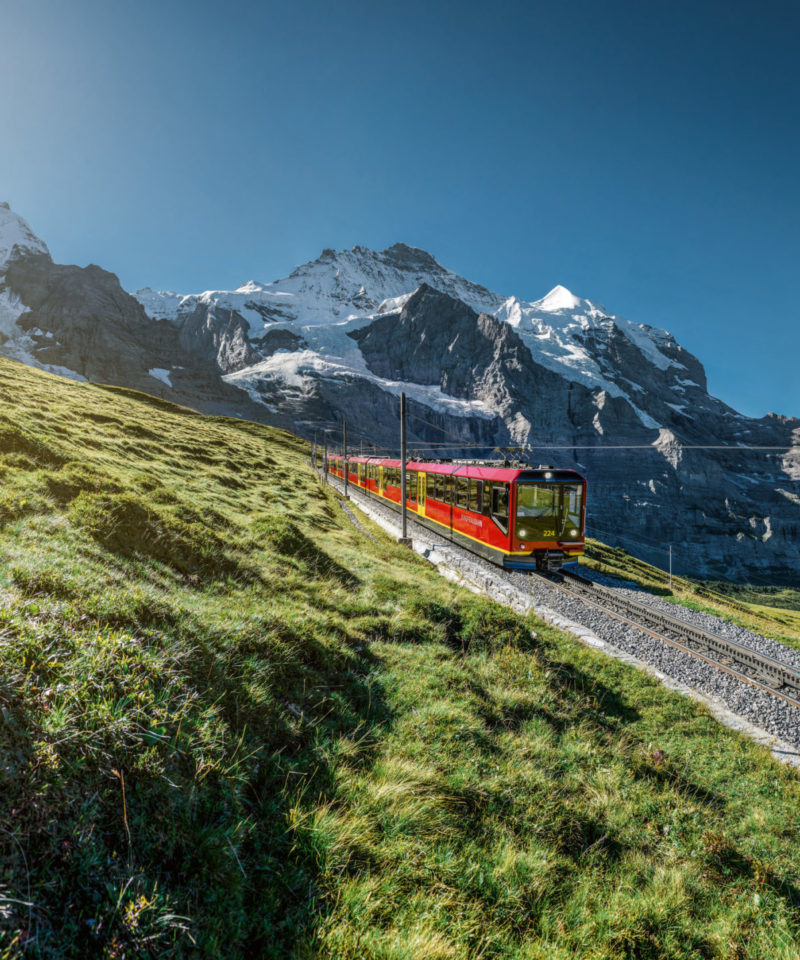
column 283, row 898
column 210, row 833
column 728, row 863
column 287, row 540
column 607, row 708
column 664, row 775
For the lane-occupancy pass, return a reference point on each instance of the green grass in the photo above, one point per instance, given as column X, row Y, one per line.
column 233, row 725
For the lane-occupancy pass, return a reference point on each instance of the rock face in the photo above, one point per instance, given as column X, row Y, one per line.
column 79, row 322
column 561, row 379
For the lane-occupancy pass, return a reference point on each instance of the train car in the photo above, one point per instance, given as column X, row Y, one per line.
column 517, row 517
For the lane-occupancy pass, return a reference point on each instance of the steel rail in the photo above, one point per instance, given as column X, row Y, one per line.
column 779, row 679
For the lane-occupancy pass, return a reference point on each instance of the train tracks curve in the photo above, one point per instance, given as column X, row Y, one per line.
column 780, row 679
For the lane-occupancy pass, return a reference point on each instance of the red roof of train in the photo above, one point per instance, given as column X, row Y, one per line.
column 504, row 474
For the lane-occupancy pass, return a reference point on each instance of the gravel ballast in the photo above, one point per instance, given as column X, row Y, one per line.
column 760, row 715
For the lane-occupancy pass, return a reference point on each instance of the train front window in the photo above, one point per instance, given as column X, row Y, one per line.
column 537, row 501
column 538, row 512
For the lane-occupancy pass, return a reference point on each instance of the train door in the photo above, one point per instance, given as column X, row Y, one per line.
column 421, row 481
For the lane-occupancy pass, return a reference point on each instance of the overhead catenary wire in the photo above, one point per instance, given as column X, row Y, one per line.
column 573, row 446
column 509, row 447
column 429, row 444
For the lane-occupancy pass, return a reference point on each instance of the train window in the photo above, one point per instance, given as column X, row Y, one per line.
column 500, row 505
column 411, row 485
column 440, row 487
column 573, row 502
column 430, row 483
column 537, row 500
column 462, row 492
column 476, row 496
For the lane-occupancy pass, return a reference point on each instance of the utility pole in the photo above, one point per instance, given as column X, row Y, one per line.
column 670, row 566
column 344, row 455
column 325, row 459
column 404, row 538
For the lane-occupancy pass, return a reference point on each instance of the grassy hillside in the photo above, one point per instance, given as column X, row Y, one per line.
column 233, row 725
column 757, row 608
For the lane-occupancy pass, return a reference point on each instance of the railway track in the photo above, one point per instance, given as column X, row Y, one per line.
column 748, row 665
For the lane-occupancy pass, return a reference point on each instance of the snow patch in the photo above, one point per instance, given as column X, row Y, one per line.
column 162, row 374
column 11, row 309
column 559, row 298
column 296, row 369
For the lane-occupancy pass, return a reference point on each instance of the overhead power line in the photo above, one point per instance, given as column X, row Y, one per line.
column 572, row 446
column 427, row 444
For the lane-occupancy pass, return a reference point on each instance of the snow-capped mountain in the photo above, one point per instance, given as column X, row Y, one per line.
column 344, row 334
column 321, row 303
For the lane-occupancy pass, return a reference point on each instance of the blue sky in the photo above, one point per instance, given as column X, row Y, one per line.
column 645, row 155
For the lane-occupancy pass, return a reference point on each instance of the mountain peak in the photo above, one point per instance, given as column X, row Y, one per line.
column 16, row 237
column 559, row 298
column 425, row 292
column 406, row 256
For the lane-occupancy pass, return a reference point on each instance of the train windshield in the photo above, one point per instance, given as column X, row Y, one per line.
column 548, row 510
column 537, row 501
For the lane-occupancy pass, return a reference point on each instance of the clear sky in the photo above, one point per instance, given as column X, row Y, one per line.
column 643, row 154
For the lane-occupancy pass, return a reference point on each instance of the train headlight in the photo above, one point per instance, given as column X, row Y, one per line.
column 573, row 533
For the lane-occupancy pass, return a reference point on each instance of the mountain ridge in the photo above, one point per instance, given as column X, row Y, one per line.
column 343, row 335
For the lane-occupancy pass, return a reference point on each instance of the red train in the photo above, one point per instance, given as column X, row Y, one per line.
column 521, row 518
